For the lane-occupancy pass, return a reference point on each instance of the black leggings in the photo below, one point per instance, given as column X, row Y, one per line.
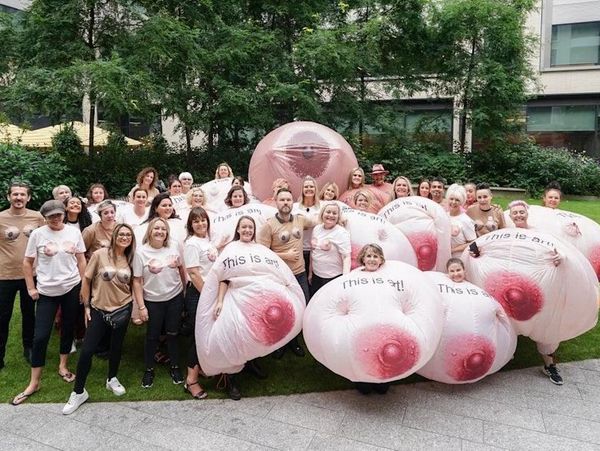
column 192, row 296
column 96, row 330
column 8, row 292
column 45, row 311
column 320, row 282
column 167, row 313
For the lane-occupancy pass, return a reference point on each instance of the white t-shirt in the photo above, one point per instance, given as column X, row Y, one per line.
column 329, row 246
column 311, row 213
column 463, row 231
column 159, row 269
column 55, row 253
column 199, row 253
column 126, row 215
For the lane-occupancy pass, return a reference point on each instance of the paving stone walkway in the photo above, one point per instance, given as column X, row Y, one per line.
column 512, row 410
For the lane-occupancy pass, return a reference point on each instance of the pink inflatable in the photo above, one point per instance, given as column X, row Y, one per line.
column 365, row 228
column 262, row 309
column 296, row 150
column 375, row 326
column 222, row 225
column 478, row 338
column 216, row 191
column 548, row 303
column 427, row 227
column 579, row 230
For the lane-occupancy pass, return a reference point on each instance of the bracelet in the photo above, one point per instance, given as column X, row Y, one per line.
column 143, row 307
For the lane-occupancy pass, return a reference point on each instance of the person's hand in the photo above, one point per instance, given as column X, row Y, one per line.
column 88, row 315
column 33, row 294
column 556, row 257
column 144, row 314
column 294, row 255
column 218, row 309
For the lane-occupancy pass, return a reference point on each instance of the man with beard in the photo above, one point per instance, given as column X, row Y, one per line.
column 283, row 235
column 437, row 191
column 16, row 224
column 380, row 189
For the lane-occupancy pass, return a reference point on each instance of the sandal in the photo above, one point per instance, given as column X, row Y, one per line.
column 68, row 377
column 200, row 395
column 22, row 397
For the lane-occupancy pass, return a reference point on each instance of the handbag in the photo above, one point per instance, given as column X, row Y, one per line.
column 117, row 318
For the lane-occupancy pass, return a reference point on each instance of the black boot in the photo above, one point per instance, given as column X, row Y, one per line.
column 253, row 368
column 296, row 348
column 232, row 390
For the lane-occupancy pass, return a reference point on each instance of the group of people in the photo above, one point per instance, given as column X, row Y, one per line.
column 97, row 264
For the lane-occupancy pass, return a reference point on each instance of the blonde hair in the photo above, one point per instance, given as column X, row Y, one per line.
column 332, row 204
column 151, row 226
column 308, row 178
column 363, row 192
column 190, row 194
column 359, row 169
column 410, row 190
column 226, row 166
column 333, row 185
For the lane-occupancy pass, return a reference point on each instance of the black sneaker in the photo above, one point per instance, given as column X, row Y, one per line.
column 252, row 367
column 232, row 390
column 176, row 375
column 148, row 378
column 552, row 372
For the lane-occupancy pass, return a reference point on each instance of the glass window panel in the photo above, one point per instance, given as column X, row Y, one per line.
column 561, row 118
column 575, row 44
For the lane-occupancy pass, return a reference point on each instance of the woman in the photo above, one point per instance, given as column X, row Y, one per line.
column 61, row 192
column 162, row 207
column 99, row 234
column 552, row 195
column 470, row 188
column 106, row 289
column 330, row 256
column 363, row 200
column 77, row 214
column 455, row 268
column 330, row 191
column 487, row 216
column 158, row 281
column 245, row 233
column 96, row 194
column 238, row 180
column 199, row 255
column 425, row 188
column 236, row 197
column 187, row 181
column 175, row 189
column 356, row 181
column 147, row 178
column 402, row 187
column 307, row 205
column 223, row 171
column 463, row 227
column 136, row 212
column 372, row 258
column 57, row 251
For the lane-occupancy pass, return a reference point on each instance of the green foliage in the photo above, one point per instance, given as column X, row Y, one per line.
column 41, row 170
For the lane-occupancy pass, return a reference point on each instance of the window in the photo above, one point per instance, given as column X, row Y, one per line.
column 574, row 44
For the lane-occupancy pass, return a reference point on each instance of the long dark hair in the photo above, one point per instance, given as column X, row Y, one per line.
column 236, row 235
column 84, row 218
column 197, row 213
column 232, row 190
column 154, row 205
column 129, row 250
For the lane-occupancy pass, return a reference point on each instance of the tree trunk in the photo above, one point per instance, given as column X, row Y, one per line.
column 188, row 144
column 465, row 100
column 91, row 125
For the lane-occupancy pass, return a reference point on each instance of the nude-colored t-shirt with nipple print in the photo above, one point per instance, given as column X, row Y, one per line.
column 111, row 281
column 14, row 233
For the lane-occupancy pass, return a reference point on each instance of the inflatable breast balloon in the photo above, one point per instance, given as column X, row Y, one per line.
column 366, row 228
column 216, row 191
column 222, row 225
column 581, row 231
column 548, row 303
column 427, row 227
column 477, row 339
column 262, row 309
column 296, row 150
column 375, row 326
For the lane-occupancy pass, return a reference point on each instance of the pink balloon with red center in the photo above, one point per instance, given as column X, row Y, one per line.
column 520, row 296
column 270, row 317
column 427, row 227
column 296, row 150
column 375, row 326
column 469, row 357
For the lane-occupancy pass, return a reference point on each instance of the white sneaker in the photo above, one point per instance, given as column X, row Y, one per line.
column 115, row 386
column 73, row 348
column 75, row 401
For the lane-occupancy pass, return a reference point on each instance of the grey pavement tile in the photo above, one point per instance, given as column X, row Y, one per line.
column 16, row 442
column 444, row 423
column 509, row 437
column 589, row 392
column 577, row 428
column 473, row 446
column 476, row 408
column 591, row 377
column 307, row 416
column 351, row 400
column 380, row 430
column 121, row 442
column 573, row 373
column 577, row 408
column 492, row 391
column 592, row 364
column 26, row 419
column 327, row 442
column 262, row 431
column 532, row 380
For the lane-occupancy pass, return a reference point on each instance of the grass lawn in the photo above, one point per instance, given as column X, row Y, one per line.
column 288, row 375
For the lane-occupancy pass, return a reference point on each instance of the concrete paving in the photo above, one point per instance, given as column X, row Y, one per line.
column 512, row 410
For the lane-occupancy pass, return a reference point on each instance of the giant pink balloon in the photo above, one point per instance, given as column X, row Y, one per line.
column 296, row 150
column 427, row 227
column 478, row 338
column 375, row 326
column 262, row 309
column 548, row 303
column 579, row 230
column 366, row 228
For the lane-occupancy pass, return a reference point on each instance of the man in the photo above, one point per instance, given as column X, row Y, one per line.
column 437, row 190
column 382, row 191
column 16, row 224
column 283, row 235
